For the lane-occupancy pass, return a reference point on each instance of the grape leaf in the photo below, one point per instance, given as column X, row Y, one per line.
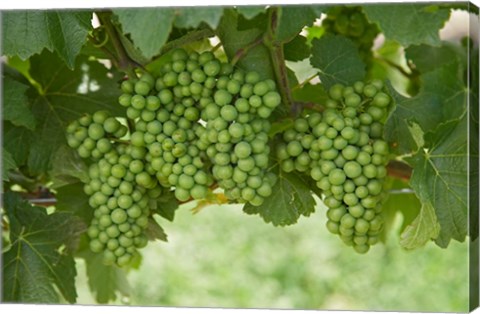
column 427, row 58
column 148, row 27
column 440, row 177
column 401, row 199
column 310, row 93
column 191, row 17
column 167, row 204
column 15, row 104
column 337, row 59
column 71, row 198
column 296, row 49
column 132, row 51
column 104, row 281
column 28, row 32
column 408, row 23
column 250, row 11
column 67, row 168
column 280, row 127
column 8, row 163
column 154, row 231
column 260, row 21
column 13, row 135
column 35, row 262
column 424, row 228
column 65, row 95
column 257, row 58
column 290, row 199
column 292, row 19
column 441, row 98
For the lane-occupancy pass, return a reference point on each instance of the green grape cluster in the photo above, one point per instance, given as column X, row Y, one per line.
column 198, row 124
column 121, row 186
column 204, row 123
column 343, row 151
column 91, row 135
column 120, row 195
column 235, row 137
column 352, row 23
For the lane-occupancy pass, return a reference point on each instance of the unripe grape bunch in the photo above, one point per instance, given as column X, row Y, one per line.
column 204, row 123
column 197, row 125
column 343, row 152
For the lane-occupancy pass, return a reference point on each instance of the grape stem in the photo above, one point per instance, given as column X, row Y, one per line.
column 310, row 105
column 116, row 140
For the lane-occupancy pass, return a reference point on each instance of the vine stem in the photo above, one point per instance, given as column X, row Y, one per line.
column 399, row 170
column 122, row 60
column 277, row 57
column 103, row 48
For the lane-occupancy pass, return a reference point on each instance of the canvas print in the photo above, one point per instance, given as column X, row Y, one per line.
column 311, row 156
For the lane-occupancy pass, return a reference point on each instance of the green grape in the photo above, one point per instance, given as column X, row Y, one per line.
column 142, row 88
column 222, row 97
column 212, row 68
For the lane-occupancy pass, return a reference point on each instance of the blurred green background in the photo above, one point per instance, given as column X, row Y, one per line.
column 222, row 257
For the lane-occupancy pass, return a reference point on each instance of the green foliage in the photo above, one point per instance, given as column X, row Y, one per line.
column 149, row 27
column 428, row 58
column 233, row 40
column 292, row 19
column 155, row 232
column 291, row 198
column 191, row 17
column 409, row 24
column 64, row 96
column 296, row 49
column 35, row 263
column 440, row 179
column 337, row 60
column 29, row 32
column 8, row 163
column 71, row 198
column 11, row 137
column 423, row 229
column 441, row 98
column 167, row 204
column 250, row 11
column 104, row 281
column 16, row 108
column 67, row 168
